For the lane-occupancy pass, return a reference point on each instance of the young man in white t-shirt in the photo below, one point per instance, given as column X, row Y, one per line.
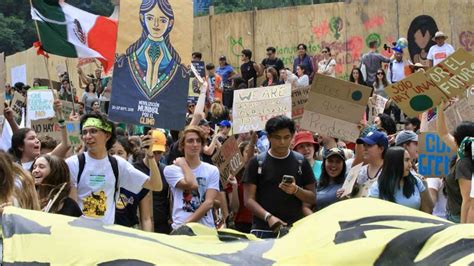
column 96, row 191
column 194, row 184
column 441, row 50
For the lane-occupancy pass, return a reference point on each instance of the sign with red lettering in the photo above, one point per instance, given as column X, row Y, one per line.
column 335, row 107
column 434, row 155
column 47, row 127
column 228, row 159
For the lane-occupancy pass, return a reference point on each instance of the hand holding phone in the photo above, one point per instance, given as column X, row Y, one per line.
column 288, row 179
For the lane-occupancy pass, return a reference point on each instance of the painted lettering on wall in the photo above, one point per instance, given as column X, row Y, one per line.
column 373, row 22
column 321, row 30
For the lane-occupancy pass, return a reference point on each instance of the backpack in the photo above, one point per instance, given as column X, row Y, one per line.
column 113, row 162
column 262, row 156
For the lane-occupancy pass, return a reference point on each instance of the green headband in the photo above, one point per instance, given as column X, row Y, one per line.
column 95, row 122
column 462, row 147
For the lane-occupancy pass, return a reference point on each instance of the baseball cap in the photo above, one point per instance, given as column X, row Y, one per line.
column 304, row 137
column 405, row 136
column 225, row 123
column 374, row 137
column 159, row 141
column 335, row 152
column 222, row 57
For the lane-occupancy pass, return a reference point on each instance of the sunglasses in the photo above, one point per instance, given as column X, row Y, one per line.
column 379, row 73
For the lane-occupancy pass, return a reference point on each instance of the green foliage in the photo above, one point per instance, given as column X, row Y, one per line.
column 17, row 29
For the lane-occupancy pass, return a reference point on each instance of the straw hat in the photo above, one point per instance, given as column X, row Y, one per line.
column 440, row 34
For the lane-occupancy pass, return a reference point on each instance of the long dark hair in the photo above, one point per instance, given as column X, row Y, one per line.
column 52, row 183
column 18, row 141
column 388, row 123
column 360, row 80
column 6, row 177
column 165, row 7
column 425, row 24
column 392, row 173
column 384, row 79
column 87, row 87
column 325, row 179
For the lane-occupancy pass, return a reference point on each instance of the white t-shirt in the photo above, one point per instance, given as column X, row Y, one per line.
column 439, row 53
column 364, row 181
column 303, row 81
column 185, row 202
column 95, row 193
column 440, row 205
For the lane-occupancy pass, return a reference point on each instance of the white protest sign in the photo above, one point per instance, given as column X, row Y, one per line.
column 18, row 74
column 40, row 104
column 253, row 107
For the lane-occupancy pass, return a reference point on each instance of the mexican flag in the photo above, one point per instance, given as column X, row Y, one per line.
column 71, row 32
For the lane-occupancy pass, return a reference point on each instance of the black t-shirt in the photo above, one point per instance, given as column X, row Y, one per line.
column 462, row 169
column 248, row 71
column 275, row 63
column 70, row 208
column 274, row 200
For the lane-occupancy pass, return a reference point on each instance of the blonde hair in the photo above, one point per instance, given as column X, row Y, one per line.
column 6, row 177
column 26, row 192
column 217, row 109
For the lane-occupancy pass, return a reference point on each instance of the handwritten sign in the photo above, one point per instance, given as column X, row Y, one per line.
column 335, row 107
column 434, row 155
column 67, row 108
column 420, row 91
column 253, row 107
column 228, row 159
column 17, row 105
column 47, row 127
column 73, row 132
column 299, row 97
column 40, row 104
column 350, row 180
column 376, row 106
column 18, row 74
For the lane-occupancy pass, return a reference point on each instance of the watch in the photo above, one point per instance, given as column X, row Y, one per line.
column 267, row 216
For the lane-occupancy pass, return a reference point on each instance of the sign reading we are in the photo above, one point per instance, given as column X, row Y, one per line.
column 335, row 107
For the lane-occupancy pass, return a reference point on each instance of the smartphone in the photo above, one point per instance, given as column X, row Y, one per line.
column 288, row 179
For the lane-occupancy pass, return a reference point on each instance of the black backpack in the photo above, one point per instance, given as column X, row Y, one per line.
column 82, row 163
column 262, row 156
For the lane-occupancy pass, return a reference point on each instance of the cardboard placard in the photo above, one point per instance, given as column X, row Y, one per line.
column 253, row 107
column 17, row 105
column 335, row 107
column 434, row 155
column 40, row 104
column 47, row 127
column 299, row 97
column 18, row 74
column 67, row 108
column 420, row 91
column 351, row 179
column 228, row 159
column 376, row 106
column 73, row 132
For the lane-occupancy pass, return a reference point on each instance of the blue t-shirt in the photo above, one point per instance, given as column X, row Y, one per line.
column 225, row 72
column 326, row 196
column 412, row 202
column 317, row 169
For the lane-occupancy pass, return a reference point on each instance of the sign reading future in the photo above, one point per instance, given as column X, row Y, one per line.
column 420, row 92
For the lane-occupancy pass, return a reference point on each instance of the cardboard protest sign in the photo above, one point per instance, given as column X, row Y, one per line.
column 151, row 88
column 228, row 159
column 47, row 127
column 17, row 105
column 67, row 108
column 434, row 155
column 350, row 180
column 253, row 107
column 335, row 107
column 73, row 132
column 40, row 103
column 299, row 97
column 456, row 113
column 45, row 82
column 376, row 106
column 18, row 74
column 420, row 91
column 200, row 67
column 61, row 69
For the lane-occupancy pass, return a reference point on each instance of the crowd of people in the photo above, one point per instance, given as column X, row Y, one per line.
column 159, row 179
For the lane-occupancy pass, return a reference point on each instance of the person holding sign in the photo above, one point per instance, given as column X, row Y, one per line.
column 398, row 185
column 278, row 184
column 332, row 178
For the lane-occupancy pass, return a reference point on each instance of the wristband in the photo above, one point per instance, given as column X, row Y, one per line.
column 267, row 216
column 297, row 189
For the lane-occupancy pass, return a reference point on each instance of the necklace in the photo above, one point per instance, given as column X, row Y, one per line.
column 376, row 174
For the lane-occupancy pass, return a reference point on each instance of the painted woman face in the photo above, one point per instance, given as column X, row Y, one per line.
column 421, row 39
column 156, row 22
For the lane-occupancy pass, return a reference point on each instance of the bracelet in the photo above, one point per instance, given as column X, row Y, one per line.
column 267, row 216
column 297, row 189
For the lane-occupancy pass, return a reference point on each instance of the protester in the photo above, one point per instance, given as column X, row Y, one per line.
column 249, row 69
column 24, row 189
column 357, row 77
column 224, row 130
column 8, row 92
column 380, row 83
column 271, row 77
column 216, row 85
column 273, row 61
column 332, row 178
column 217, row 113
column 304, row 143
column 8, row 182
column 103, row 175
column 413, row 124
column 303, row 79
column 194, row 184
column 398, row 185
column 409, row 141
column 95, row 107
column 89, row 97
column 66, row 93
column 372, row 61
column 304, row 59
column 385, row 123
column 196, row 56
column 226, row 71
column 278, row 184
column 437, row 189
column 286, row 77
column 397, row 68
column 53, row 185
column 327, row 66
column 440, row 51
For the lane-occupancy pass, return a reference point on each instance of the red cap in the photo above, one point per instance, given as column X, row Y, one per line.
column 304, row 137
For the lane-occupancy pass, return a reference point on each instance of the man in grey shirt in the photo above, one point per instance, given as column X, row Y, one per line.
column 373, row 61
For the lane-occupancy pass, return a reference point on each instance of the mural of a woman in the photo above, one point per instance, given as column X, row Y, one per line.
column 420, row 35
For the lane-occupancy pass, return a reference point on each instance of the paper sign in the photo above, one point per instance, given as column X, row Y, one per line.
column 73, row 133
column 18, row 74
column 40, row 104
column 47, row 127
column 299, row 97
column 376, row 106
column 422, row 91
column 253, row 107
column 434, row 155
column 228, row 159
column 67, row 108
column 17, row 104
column 351, row 179
column 335, row 107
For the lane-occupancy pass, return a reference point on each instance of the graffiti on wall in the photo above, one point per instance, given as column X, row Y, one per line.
column 420, row 34
column 236, row 45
